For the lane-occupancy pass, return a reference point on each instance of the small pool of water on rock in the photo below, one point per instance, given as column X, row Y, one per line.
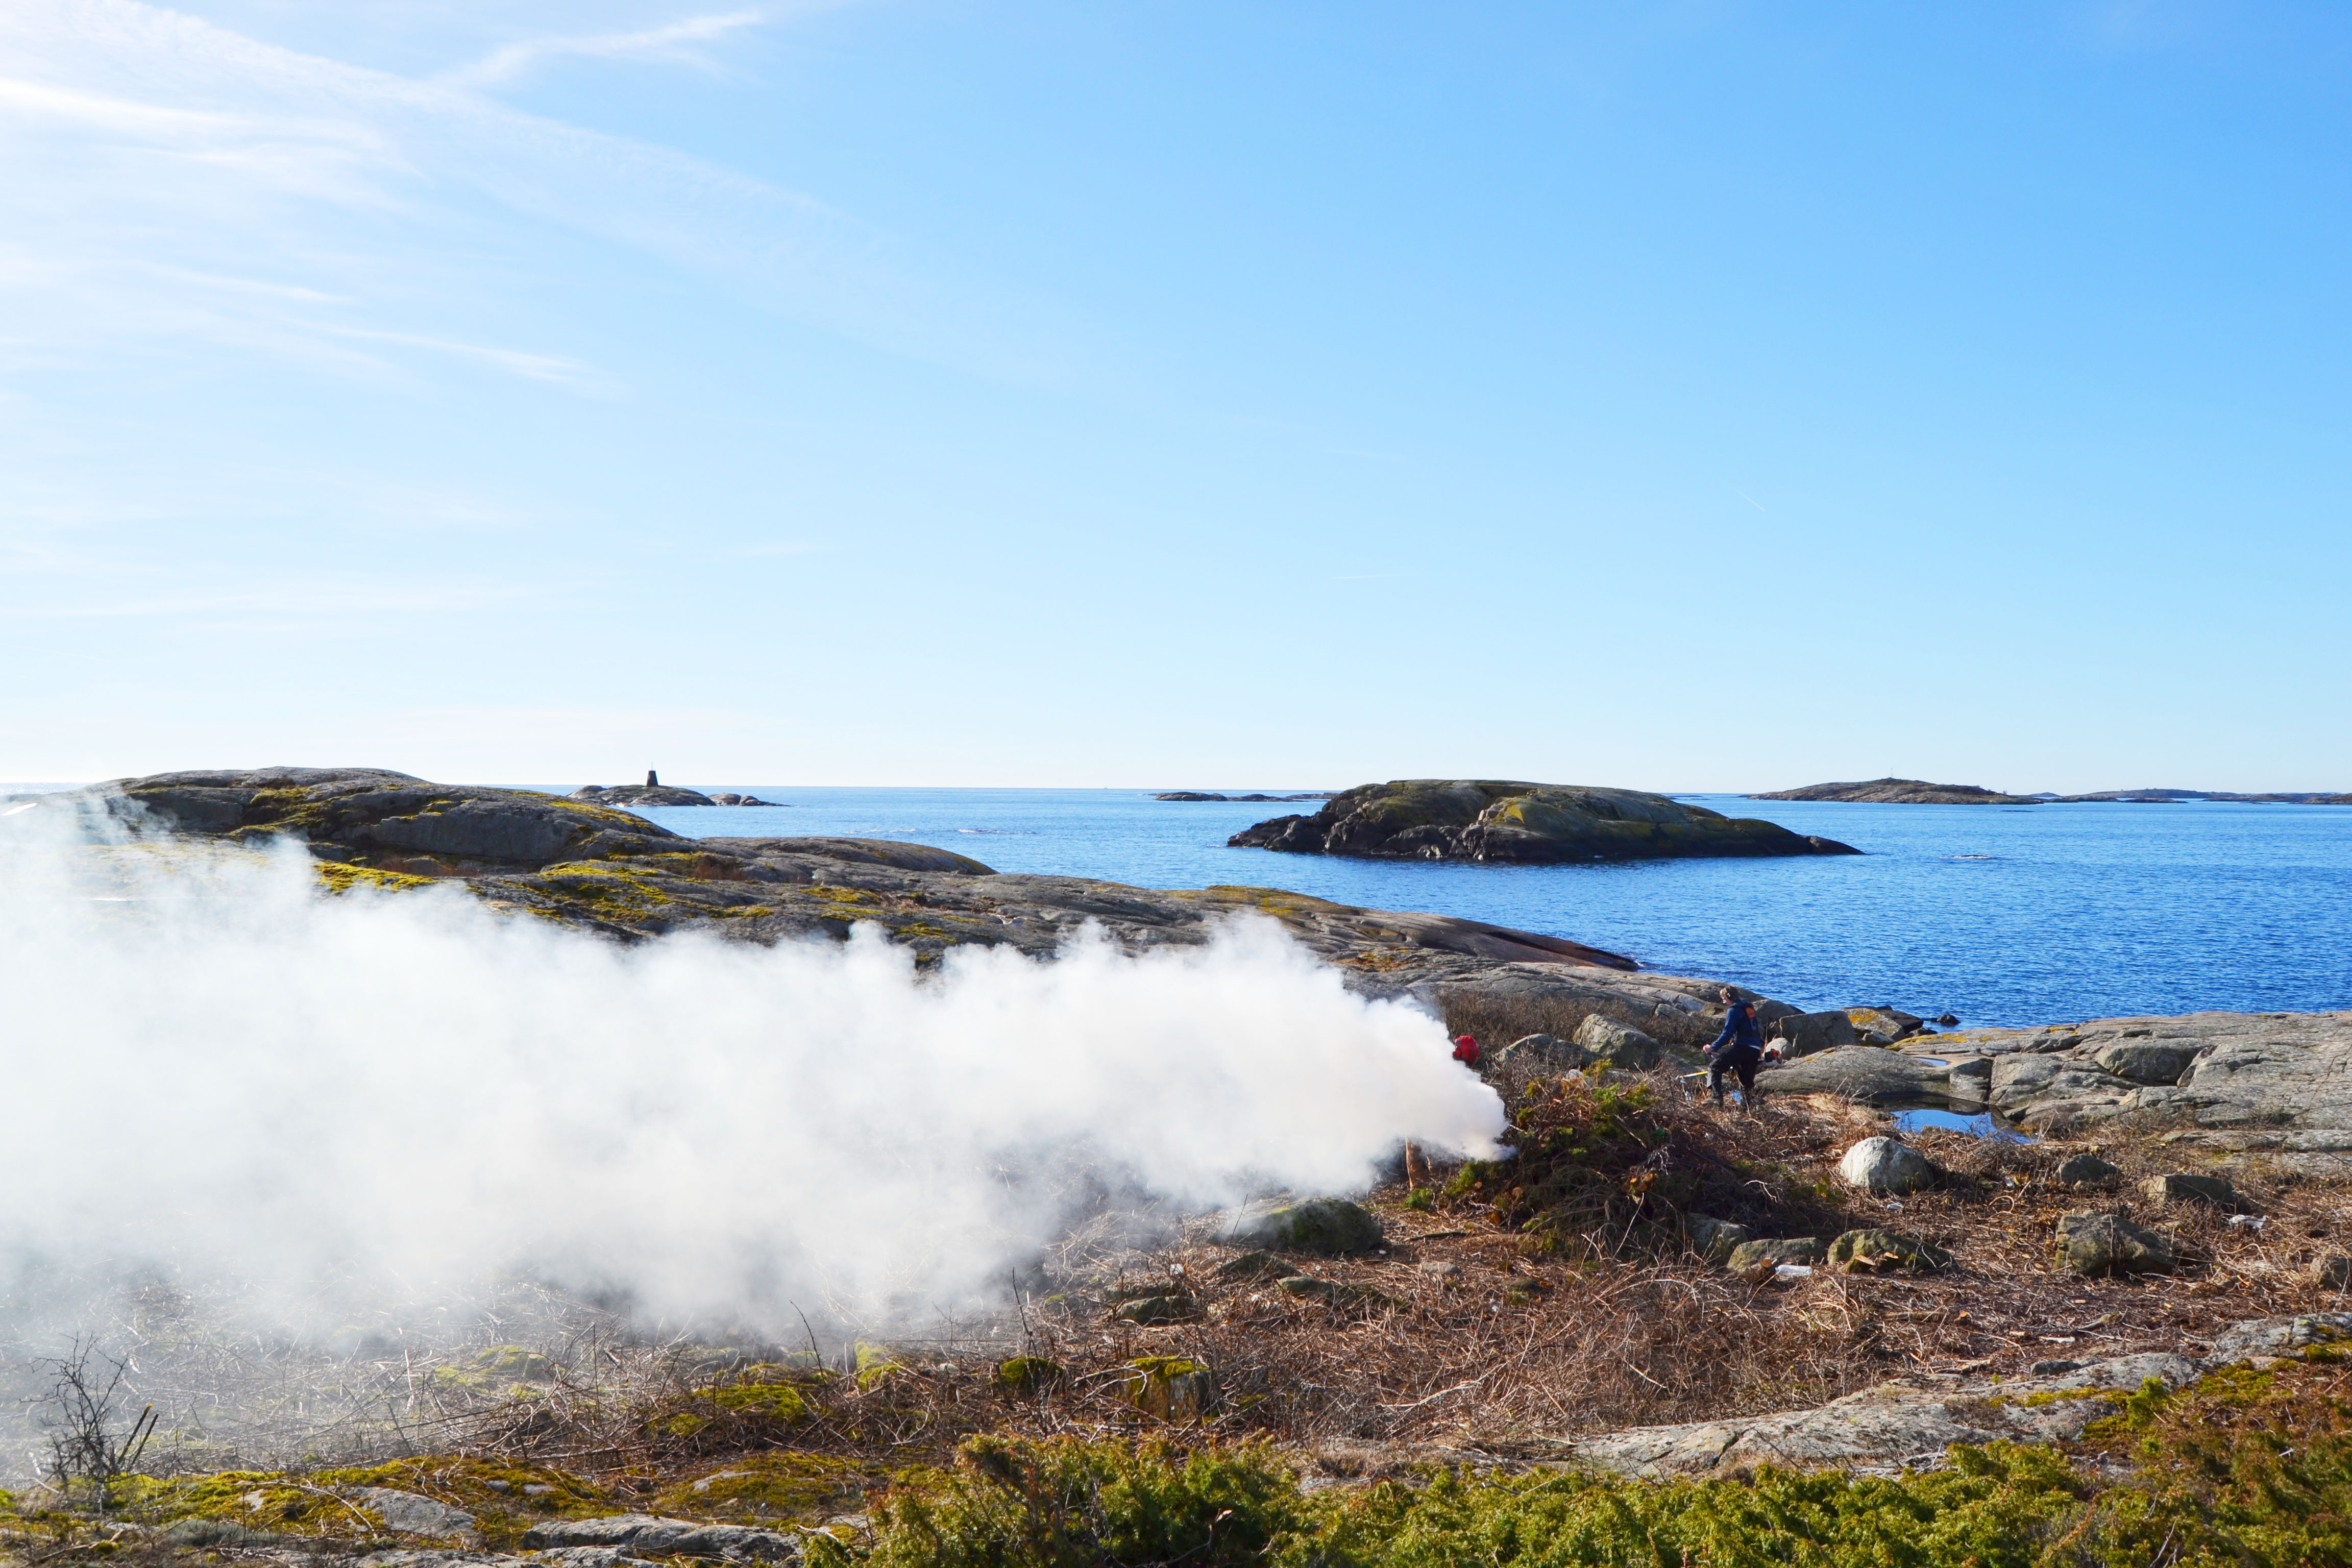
column 1983, row 1124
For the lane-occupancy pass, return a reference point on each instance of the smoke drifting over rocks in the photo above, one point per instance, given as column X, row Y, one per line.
column 221, row 1069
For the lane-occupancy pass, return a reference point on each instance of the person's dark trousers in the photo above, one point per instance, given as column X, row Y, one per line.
column 1741, row 1059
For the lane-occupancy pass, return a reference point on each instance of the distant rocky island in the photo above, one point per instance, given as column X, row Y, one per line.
column 1208, row 794
column 1919, row 792
column 1514, row 823
column 652, row 791
column 1903, row 792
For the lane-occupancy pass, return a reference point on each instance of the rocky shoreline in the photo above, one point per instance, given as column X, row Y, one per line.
column 2276, row 1087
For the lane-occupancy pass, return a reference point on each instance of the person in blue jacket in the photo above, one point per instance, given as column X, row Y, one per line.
column 1738, row 1049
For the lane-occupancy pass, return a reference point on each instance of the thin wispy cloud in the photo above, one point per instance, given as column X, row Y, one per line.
column 173, row 182
column 672, row 44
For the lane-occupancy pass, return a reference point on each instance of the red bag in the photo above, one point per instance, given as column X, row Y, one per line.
column 1466, row 1051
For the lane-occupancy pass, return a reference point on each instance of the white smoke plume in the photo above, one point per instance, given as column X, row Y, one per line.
column 216, row 1066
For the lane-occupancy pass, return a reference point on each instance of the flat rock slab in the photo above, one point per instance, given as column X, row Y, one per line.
column 411, row 1514
column 650, row 1535
column 1876, row 1075
column 1890, row 1425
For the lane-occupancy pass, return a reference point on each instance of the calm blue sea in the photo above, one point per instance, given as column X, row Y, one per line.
column 2001, row 915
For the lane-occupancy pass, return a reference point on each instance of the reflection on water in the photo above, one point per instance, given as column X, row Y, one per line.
column 1982, row 1124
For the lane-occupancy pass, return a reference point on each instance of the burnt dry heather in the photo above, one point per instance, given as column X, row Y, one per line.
column 1516, row 1306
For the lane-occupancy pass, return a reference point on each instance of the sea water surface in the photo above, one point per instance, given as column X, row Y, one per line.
column 1999, row 914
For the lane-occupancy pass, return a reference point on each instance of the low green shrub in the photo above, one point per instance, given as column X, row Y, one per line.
column 2242, row 1469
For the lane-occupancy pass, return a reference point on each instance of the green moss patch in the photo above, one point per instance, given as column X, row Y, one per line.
column 763, row 1489
column 341, row 877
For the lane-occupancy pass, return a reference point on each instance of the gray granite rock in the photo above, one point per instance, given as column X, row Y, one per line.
column 1876, row 1076
column 2149, row 1062
column 411, row 1514
column 1877, row 1250
column 1810, row 1032
column 650, row 1535
column 1620, row 1044
column 2099, row 1245
column 1886, row 1165
column 2179, row 1188
column 2278, row 1336
column 1895, row 1425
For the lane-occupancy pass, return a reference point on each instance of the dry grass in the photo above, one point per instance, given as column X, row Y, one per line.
column 1497, row 1019
column 1471, row 1336
column 1468, row 1339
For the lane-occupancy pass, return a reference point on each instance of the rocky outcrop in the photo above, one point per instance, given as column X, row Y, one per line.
column 650, row 1535
column 662, row 794
column 1521, row 824
column 1902, row 791
column 642, row 794
column 1912, row 1424
column 2276, row 1086
column 1873, row 1076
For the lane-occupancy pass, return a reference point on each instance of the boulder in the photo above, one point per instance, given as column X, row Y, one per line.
column 2098, row 1244
column 2149, row 1061
column 1772, row 1254
column 1528, row 823
column 2087, row 1171
column 1808, row 1032
column 1714, row 1239
column 1880, row 1251
column 1886, row 1165
column 1618, row 1045
column 2210, row 1191
column 1889, row 1024
column 1331, row 1227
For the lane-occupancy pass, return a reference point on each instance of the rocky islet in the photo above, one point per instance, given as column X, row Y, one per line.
column 1510, row 823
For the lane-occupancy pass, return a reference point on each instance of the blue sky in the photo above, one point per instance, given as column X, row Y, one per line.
column 1698, row 395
